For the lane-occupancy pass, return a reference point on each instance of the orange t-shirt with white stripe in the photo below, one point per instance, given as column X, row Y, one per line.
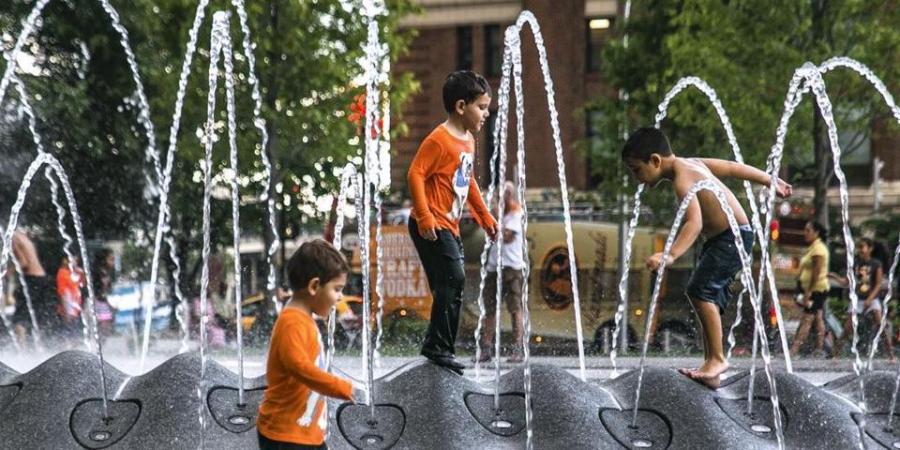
column 441, row 182
column 293, row 407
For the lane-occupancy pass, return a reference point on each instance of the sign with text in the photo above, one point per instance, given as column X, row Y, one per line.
column 404, row 284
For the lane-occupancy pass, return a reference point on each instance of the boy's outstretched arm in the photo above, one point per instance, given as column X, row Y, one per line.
column 730, row 169
column 690, row 230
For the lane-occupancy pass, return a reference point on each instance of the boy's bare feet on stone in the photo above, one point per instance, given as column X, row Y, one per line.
column 687, row 371
column 710, row 374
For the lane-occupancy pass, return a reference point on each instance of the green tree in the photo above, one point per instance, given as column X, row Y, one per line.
column 308, row 55
column 747, row 51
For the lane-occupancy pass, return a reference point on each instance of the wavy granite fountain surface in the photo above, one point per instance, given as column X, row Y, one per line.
column 58, row 405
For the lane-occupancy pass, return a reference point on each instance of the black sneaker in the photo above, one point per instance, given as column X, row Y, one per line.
column 448, row 362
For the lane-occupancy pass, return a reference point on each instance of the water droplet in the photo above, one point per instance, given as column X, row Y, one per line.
column 642, row 443
column 501, row 424
column 759, row 428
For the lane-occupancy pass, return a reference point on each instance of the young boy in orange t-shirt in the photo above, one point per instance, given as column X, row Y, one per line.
column 293, row 413
column 441, row 183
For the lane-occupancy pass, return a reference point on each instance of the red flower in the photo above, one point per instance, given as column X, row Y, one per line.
column 358, row 116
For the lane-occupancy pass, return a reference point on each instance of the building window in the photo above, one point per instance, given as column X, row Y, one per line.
column 464, row 48
column 593, row 122
column 493, row 50
column 856, row 156
column 598, row 30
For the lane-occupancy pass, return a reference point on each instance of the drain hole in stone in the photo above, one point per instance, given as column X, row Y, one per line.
column 238, row 420
column 760, row 428
column 372, row 439
column 501, row 424
column 100, row 436
column 641, row 443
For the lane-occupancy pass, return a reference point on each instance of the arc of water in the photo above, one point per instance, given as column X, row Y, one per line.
column 624, row 248
column 364, row 233
column 143, row 104
column 260, row 124
column 349, row 177
column 235, row 201
column 825, row 108
column 528, row 17
column 163, row 215
column 878, row 84
column 623, row 283
column 220, row 29
column 48, row 160
column 809, row 78
column 746, row 279
column 25, row 106
column 512, row 38
column 796, row 89
column 497, row 157
column 29, row 26
column 372, row 63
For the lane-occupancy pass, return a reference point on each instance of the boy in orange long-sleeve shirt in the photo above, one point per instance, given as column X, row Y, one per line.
column 441, row 182
column 293, row 413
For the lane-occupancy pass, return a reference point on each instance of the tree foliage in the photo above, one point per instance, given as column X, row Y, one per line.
column 308, row 57
column 747, row 51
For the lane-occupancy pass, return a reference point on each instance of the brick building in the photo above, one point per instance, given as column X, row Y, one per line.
column 456, row 34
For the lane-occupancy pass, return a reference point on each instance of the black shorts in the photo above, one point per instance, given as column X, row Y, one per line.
column 818, row 299
column 719, row 263
column 42, row 292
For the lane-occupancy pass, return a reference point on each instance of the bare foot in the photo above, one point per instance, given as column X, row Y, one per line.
column 687, row 371
column 710, row 374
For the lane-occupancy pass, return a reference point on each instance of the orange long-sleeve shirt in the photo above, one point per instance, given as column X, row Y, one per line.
column 440, row 182
column 293, row 406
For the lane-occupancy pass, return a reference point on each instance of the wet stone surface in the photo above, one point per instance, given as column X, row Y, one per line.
column 95, row 430
column 423, row 406
column 507, row 420
column 649, row 431
column 759, row 421
column 229, row 413
column 367, row 432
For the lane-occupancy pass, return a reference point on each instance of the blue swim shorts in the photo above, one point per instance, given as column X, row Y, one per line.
column 719, row 263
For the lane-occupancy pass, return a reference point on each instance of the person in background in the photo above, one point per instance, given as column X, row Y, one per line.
column 813, row 286
column 40, row 290
column 869, row 279
column 69, row 283
column 513, row 278
column 104, row 269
